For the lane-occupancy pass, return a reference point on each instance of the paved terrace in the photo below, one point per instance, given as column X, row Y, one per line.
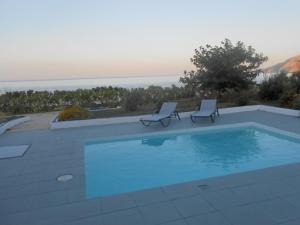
column 30, row 194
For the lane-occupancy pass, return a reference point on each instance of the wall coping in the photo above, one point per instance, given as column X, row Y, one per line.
column 12, row 123
column 130, row 119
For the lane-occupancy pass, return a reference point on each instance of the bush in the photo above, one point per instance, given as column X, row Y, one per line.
column 295, row 81
column 133, row 100
column 242, row 100
column 296, row 103
column 44, row 101
column 274, row 87
column 287, row 99
column 73, row 113
column 2, row 114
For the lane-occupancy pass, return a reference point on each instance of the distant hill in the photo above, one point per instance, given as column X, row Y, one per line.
column 291, row 65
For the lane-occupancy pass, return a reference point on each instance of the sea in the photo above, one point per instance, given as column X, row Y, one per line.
column 89, row 83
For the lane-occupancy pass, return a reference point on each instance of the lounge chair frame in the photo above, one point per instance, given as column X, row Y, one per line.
column 212, row 115
column 164, row 121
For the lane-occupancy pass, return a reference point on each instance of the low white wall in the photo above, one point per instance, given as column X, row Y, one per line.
column 13, row 123
column 283, row 111
column 130, row 119
column 239, row 109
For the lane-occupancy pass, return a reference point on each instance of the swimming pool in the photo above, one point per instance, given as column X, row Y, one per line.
column 145, row 161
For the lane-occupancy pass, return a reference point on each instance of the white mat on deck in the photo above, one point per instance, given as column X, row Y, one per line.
column 12, row 151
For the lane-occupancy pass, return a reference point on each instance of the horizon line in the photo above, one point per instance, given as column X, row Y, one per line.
column 104, row 77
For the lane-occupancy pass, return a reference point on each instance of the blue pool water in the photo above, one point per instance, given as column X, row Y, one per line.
column 125, row 165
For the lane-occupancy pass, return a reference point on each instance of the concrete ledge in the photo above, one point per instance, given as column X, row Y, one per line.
column 283, row 111
column 131, row 119
column 12, row 123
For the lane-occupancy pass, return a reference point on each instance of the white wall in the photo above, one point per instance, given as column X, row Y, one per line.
column 130, row 119
column 13, row 123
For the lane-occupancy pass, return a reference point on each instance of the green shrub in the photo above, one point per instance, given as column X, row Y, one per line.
column 2, row 114
column 43, row 101
column 133, row 100
column 287, row 99
column 240, row 98
column 73, row 113
column 296, row 102
column 295, row 81
column 274, row 87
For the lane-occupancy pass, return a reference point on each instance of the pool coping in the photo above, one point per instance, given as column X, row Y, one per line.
column 191, row 130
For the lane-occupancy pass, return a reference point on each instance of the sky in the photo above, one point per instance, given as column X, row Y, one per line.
column 61, row 39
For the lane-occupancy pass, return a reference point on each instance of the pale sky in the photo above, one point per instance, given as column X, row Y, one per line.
column 61, row 39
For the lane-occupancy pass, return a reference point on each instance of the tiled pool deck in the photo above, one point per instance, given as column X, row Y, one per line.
column 30, row 194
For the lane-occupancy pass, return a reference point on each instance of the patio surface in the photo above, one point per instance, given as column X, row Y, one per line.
column 30, row 194
column 37, row 121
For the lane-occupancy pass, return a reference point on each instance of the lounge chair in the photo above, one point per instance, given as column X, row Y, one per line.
column 167, row 110
column 208, row 108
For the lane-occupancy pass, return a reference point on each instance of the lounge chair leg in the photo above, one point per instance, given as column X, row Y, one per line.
column 165, row 124
column 146, row 124
column 192, row 119
column 177, row 114
column 212, row 118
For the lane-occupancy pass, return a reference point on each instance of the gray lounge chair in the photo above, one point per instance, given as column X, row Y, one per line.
column 167, row 110
column 208, row 108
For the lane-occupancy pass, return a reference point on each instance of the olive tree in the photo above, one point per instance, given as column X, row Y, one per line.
column 228, row 66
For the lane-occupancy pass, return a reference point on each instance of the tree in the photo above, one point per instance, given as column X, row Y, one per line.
column 224, row 67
